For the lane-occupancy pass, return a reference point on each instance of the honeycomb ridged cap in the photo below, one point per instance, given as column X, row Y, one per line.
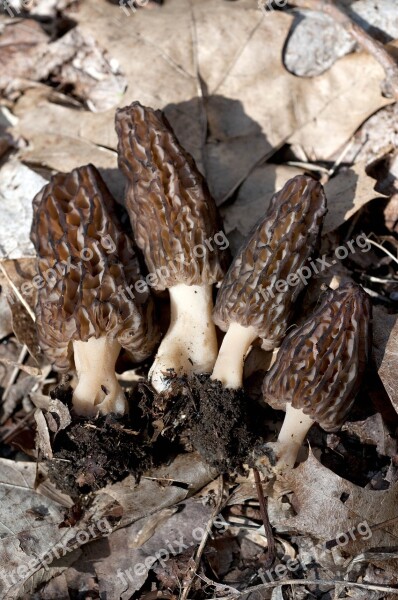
column 276, row 249
column 86, row 264
column 320, row 364
column 173, row 216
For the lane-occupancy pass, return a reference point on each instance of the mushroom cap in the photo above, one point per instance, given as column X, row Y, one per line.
column 83, row 259
column 171, row 210
column 320, row 364
column 276, row 249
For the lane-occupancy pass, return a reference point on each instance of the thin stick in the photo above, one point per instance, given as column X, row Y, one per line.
column 267, row 525
column 341, row 157
column 308, row 166
column 17, row 427
column 383, row 249
column 33, row 371
column 17, row 292
column 334, row 542
column 199, row 552
column 15, row 372
column 318, row 582
column 372, row 46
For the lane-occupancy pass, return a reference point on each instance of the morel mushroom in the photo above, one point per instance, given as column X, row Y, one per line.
column 257, row 296
column 176, row 225
column 85, row 306
column 318, row 369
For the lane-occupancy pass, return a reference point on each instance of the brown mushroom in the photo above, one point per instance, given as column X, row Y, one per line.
column 85, row 303
column 319, row 368
column 176, row 225
column 257, row 296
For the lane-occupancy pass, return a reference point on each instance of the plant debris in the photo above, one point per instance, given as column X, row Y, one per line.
column 163, row 502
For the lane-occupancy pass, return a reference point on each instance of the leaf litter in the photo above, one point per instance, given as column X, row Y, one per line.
column 235, row 85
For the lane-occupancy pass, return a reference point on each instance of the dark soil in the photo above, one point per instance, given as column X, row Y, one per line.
column 91, row 453
column 195, row 414
column 221, row 424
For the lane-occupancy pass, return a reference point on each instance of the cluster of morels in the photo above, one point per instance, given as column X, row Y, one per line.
column 82, row 318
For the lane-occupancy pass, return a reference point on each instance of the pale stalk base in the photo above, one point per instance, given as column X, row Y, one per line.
column 291, row 437
column 97, row 391
column 190, row 344
column 229, row 366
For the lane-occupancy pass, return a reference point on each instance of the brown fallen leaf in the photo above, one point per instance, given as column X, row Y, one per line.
column 252, row 200
column 391, row 213
column 373, row 431
column 42, row 434
column 347, row 192
column 75, row 59
column 212, row 93
column 327, row 506
column 186, row 475
column 24, row 328
column 385, row 350
column 121, row 567
column 39, row 543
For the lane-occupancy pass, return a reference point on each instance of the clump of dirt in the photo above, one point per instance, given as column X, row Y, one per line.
column 91, row 453
column 220, row 423
column 197, row 413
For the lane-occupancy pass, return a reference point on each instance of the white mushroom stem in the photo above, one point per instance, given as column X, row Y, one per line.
column 229, row 365
column 97, row 391
column 190, row 344
column 291, row 437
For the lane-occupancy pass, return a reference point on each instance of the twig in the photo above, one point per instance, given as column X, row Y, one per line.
column 317, row 582
column 372, row 46
column 199, row 552
column 395, row 259
column 308, row 166
column 27, row 419
column 340, row 158
column 33, row 371
column 15, row 372
column 335, row 542
column 17, row 292
column 267, row 525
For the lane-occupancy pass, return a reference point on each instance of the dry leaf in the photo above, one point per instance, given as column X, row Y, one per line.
column 32, row 531
column 58, row 416
column 75, row 59
column 385, row 350
column 252, row 200
column 373, row 431
column 25, row 330
column 150, row 525
column 179, row 533
column 167, row 486
column 207, row 88
column 325, row 506
column 18, row 185
column 43, row 441
column 347, row 192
